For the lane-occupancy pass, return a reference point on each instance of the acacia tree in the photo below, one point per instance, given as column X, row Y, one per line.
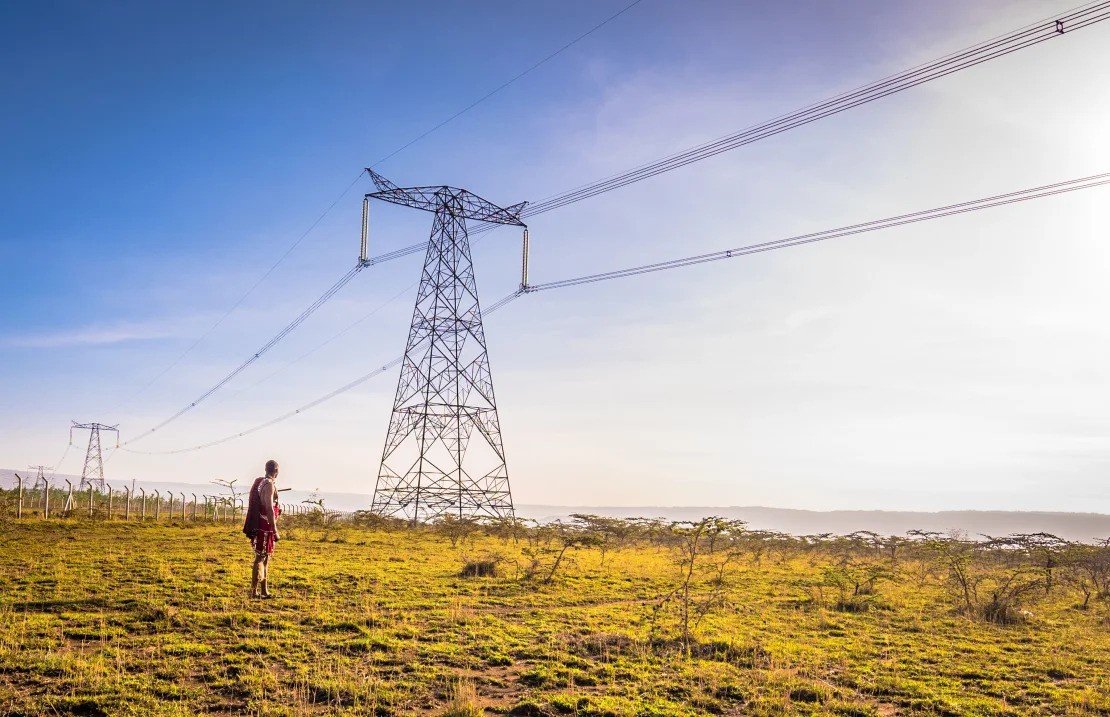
column 995, row 577
column 549, row 545
column 956, row 555
column 457, row 529
column 1043, row 550
column 507, row 528
column 610, row 533
column 760, row 543
column 1087, row 568
column 706, row 551
column 860, row 565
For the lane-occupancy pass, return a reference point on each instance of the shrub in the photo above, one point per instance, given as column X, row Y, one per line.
column 479, row 568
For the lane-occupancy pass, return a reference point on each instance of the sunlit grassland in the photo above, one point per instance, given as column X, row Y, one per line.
column 100, row 618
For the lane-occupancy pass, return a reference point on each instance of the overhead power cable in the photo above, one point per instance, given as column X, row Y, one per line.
column 1096, row 180
column 58, row 463
column 332, row 338
column 999, row 46
column 505, row 84
column 274, row 340
column 354, row 181
column 1022, row 195
column 348, row 327
column 265, row 275
column 977, row 54
column 501, row 303
column 992, row 49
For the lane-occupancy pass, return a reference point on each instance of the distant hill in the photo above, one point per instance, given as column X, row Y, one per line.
column 1072, row 526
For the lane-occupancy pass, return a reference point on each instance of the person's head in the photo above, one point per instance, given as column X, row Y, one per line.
column 271, row 468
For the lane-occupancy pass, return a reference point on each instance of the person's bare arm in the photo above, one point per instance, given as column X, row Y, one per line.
column 267, row 497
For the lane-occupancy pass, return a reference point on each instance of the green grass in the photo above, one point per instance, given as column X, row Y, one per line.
column 111, row 618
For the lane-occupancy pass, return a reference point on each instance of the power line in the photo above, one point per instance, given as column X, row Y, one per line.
column 999, row 46
column 977, row 54
column 941, row 67
column 505, row 84
column 274, row 340
column 354, row 181
column 242, row 298
column 1022, row 195
column 348, row 328
column 497, row 305
column 332, row 338
column 1096, row 180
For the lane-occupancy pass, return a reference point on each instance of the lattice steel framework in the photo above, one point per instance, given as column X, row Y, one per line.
column 93, row 472
column 443, row 452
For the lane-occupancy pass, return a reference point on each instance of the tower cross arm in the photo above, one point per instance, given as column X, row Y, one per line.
column 459, row 202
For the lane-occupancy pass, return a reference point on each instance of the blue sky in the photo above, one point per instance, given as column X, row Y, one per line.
column 157, row 158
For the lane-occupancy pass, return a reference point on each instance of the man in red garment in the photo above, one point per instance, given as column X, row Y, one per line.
column 261, row 526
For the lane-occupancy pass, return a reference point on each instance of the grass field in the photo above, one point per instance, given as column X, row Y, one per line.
column 101, row 618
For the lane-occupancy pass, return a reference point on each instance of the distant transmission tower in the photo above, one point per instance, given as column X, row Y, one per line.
column 41, row 477
column 93, row 472
column 443, row 453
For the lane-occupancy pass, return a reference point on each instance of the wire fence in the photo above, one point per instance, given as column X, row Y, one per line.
column 30, row 499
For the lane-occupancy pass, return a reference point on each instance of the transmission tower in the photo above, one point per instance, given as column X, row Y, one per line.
column 41, row 470
column 430, row 465
column 93, row 472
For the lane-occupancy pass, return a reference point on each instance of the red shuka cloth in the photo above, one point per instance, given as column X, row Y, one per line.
column 257, row 526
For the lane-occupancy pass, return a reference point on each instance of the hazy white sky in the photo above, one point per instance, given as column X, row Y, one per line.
column 959, row 363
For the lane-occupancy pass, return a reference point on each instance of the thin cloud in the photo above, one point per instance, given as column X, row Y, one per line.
column 92, row 336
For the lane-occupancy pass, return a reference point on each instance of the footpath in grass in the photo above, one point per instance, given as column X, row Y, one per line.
column 114, row 618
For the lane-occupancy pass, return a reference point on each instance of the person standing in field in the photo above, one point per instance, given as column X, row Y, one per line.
column 261, row 526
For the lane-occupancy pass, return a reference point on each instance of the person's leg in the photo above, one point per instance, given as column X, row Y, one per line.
column 264, row 571
column 257, row 572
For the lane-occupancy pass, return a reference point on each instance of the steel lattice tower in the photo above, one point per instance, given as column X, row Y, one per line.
column 93, row 472
column 443, row 452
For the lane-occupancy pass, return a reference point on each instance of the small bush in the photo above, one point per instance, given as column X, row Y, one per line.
column 479, row 569
column 853, row 603
column 807, row 694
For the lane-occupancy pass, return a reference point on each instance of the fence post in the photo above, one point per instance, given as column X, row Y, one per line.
column 194, row 506
column 19, row 509
column 142, row 491
column 157, row 505
column 182, row 507
column 68, row 507
column 46, row 501
column 109, row 502
column 127, row 505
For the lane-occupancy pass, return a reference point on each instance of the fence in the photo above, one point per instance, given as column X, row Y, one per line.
column 34, row 499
